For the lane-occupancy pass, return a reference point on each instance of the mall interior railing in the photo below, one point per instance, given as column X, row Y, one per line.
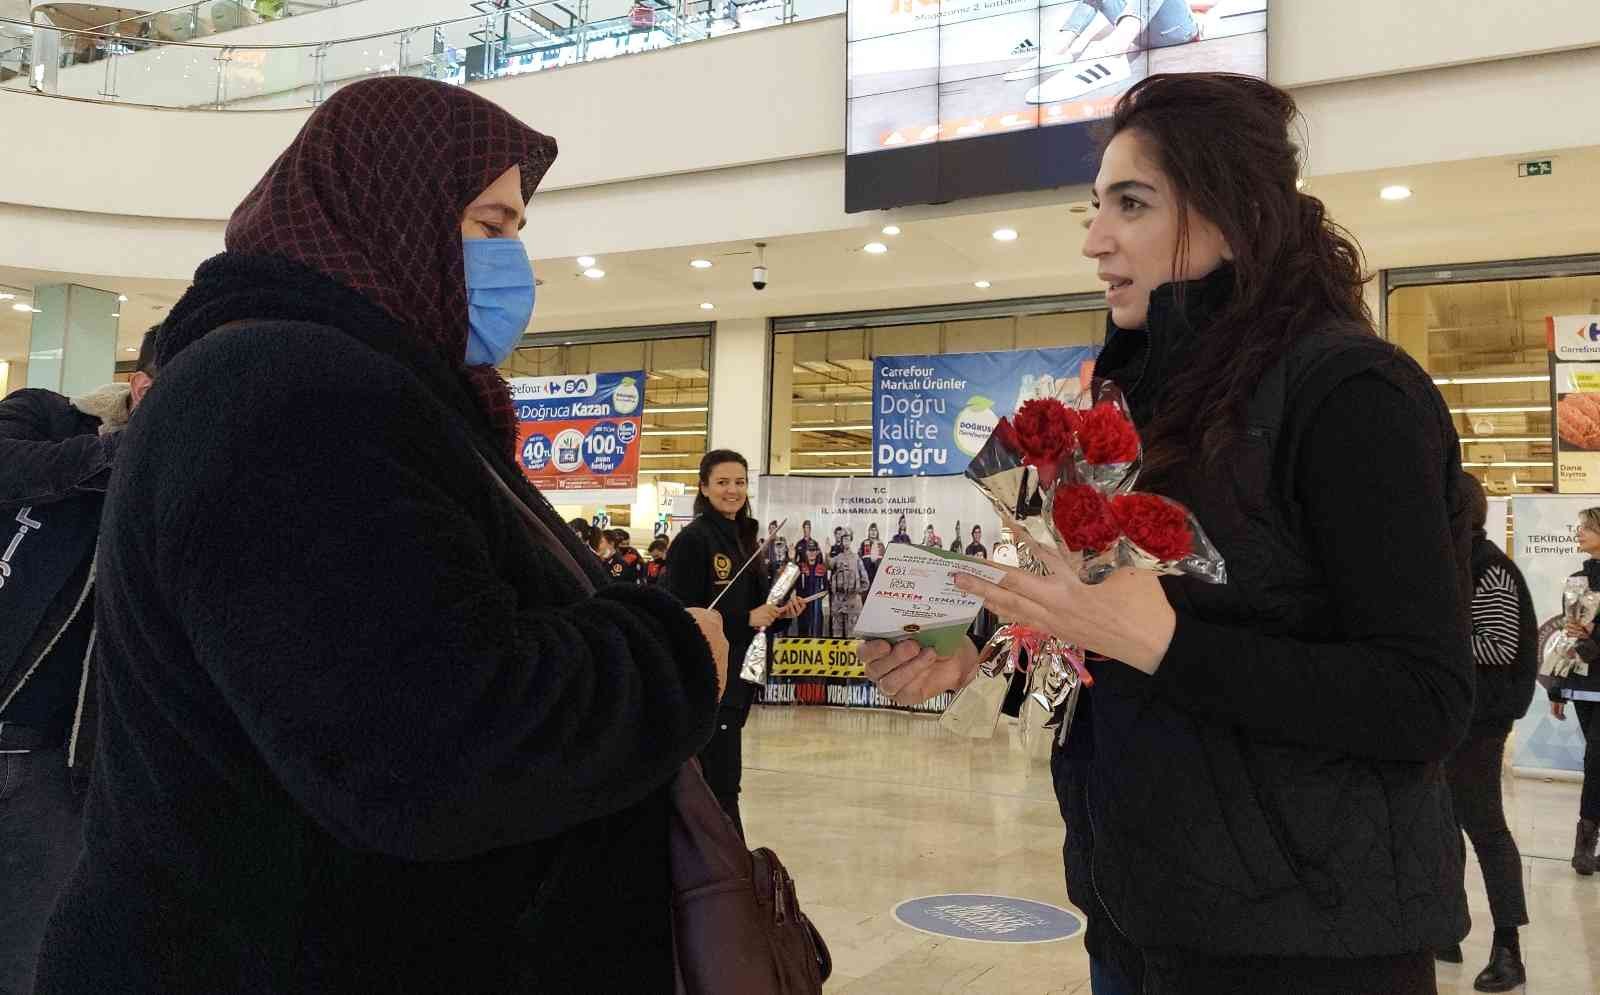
column 494, row 43
column 194, row 21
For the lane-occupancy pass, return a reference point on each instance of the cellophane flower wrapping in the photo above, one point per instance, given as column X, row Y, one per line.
column 1066, row 475
column 1560, row 659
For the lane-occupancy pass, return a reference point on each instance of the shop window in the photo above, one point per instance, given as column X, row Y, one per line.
column 1485, row 345
column 821, row 417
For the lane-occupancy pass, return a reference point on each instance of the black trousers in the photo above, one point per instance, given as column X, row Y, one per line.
column 722, row 761
column 41, row 833
column 1589, row 720
column 1474, row 771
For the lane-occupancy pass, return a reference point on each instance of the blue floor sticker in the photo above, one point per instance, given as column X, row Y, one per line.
column 988, row 918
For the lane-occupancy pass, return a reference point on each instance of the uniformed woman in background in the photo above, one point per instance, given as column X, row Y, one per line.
column 703, row 563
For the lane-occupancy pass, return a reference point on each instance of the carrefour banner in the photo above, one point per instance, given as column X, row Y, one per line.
column 932, row 414
column 580, row 432
column 1547, row 553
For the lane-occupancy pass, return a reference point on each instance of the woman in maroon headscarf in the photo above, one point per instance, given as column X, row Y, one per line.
column 367, row 727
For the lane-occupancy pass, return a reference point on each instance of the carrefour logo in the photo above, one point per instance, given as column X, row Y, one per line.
column 1574, row 336
column 541, row 388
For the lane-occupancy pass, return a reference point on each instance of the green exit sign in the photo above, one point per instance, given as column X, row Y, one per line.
column 1539, row 167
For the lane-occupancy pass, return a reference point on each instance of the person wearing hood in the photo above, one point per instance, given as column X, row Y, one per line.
column 374, row 720
column 56, row 455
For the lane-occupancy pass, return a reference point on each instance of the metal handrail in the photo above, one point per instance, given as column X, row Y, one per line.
column 153, row 42
column 502, row 55
column 183, row 6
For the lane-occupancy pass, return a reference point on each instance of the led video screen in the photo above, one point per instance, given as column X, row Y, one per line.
column 963, row 98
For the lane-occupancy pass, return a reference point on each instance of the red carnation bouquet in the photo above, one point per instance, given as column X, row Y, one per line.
column 1066, row 475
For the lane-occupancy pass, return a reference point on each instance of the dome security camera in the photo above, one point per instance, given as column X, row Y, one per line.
column 758, row 275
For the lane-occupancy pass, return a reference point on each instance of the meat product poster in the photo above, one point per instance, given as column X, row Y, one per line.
column 1575, row 393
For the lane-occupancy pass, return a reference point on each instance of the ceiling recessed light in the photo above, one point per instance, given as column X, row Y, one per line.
column 708, row 306
column 130, row 349
column 983, row 284
column 585, row 262
column 594, row 274
column 122, row 298
column 700, row 263
column 1005, row 235
column 875, row 248
column 21, row 307
column 891, row 230
column 1395, row 192
column 116, row 314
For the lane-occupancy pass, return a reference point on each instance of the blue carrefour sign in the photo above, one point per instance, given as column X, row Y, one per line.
column 932, row 414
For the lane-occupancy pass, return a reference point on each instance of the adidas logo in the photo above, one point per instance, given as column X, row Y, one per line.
column 1025, row 47
column 1094, row 73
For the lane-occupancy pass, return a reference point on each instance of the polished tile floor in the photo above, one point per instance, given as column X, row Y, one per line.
column 870, row 808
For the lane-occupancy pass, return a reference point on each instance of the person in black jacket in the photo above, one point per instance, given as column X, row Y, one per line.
column 1505, row 654
column 704, row 564
column 1583, row 692
column 625, row 565
column 56, row 455
column 1254, row 788
column 373, row 720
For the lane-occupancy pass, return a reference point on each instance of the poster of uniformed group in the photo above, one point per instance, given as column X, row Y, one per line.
column 838, row 529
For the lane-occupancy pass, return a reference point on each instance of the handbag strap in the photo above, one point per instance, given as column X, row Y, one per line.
column 540, row 532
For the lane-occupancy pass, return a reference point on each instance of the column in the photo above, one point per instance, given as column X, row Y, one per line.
column 72, row 347
column 782, row 408
column 739, row 396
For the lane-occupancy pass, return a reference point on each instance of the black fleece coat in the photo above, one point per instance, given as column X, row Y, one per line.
column 361, row 732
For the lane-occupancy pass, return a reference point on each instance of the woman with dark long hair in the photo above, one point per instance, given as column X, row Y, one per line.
column 373, row 719
column 703, row 564
column 1254, row 788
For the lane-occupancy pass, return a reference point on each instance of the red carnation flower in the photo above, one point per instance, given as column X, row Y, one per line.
column 1083, row 518
column 1106, row 435
column 1156, row 525
column 1045, row 428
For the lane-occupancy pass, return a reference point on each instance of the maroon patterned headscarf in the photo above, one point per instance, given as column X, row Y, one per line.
column 371, row 193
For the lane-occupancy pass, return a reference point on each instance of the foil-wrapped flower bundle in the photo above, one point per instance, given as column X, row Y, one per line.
column 1066, row 477
column 1578, row 605
column 754, row 668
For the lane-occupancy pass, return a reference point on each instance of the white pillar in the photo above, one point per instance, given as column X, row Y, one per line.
column 740, row 402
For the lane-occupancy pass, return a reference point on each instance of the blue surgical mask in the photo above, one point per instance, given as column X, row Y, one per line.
column 500, row 292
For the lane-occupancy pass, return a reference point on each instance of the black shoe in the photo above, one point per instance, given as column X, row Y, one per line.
column 1451, row 956
column 1505, row 972
column 1584, row 846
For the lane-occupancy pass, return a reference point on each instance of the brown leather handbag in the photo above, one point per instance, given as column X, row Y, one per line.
column 737, row 928
column 736, row 921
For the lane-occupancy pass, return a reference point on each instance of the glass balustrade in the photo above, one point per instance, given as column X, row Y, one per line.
column 198, row 21
column 156, row 68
